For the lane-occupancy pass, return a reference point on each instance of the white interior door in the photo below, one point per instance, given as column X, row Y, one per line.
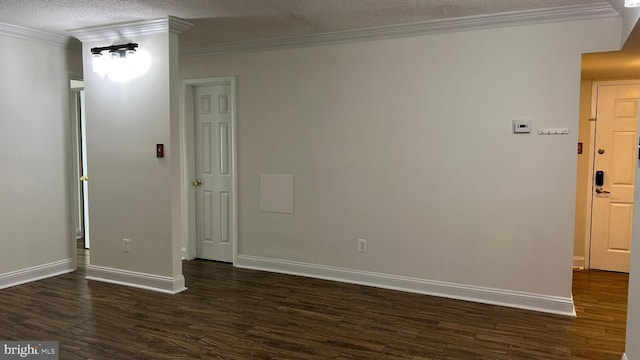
column 85, row 183
column 616, row 150
column 214, row 181
column 77, row 162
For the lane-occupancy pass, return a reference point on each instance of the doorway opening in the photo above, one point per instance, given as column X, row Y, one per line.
column 612, row 167
column 608, row 100
column 79, row 176
column 606, row 166
column 607, row 151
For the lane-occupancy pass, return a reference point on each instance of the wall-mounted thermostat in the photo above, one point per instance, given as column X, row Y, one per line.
column 521, row 126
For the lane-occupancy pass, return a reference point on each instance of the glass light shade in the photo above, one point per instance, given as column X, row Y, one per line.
column 100, row 65
column 631, row 3
column 129, row 67
column 122, row 68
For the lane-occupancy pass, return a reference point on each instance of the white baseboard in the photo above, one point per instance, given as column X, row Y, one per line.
column 164, row 284
column 184, row 253
column 578, row 262
column 521, row 300
column 36, row 273
column 624, row 357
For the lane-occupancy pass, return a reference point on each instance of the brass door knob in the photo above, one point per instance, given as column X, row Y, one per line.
column 84, row 178
column 197, row 182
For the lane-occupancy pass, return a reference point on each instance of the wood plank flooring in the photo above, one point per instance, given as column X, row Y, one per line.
column 232, row 313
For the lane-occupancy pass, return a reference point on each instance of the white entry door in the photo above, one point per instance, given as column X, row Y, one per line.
column 616, row 151
column 214, row 181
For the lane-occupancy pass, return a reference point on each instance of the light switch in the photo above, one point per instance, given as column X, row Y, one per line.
column 159, row 150
column 554, row 131
column 521, row 126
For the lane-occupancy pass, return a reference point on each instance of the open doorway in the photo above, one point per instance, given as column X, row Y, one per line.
column 79, row 162
column 606, row 176
column 607, row 159
column 607, row 153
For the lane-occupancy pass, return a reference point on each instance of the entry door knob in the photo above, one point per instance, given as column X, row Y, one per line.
column 197, row 182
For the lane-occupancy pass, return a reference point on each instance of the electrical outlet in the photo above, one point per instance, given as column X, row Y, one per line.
column 362, row 245
column 125, row 245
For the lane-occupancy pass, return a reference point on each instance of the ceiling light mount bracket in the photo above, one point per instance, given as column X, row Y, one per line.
column 115, row 50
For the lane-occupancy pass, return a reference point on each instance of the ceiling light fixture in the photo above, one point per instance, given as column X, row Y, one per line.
column 115, row 51
column 631, row 3
column 123, row 62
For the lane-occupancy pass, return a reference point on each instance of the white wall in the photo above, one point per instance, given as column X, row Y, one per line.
column 631, row 40
column 630, row 18
column 632, row 349
column 35, row 221
column 582, row 173
column 130, row 190
column 408, row 143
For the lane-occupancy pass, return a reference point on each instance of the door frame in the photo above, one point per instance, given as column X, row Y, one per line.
column 591, row 151
column 72, row 132
column 188, row 155
column 76, row 163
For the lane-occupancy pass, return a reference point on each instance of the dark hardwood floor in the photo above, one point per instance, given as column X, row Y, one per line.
column 232, row 313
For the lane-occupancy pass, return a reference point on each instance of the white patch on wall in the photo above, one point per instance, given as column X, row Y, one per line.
column 276, row 193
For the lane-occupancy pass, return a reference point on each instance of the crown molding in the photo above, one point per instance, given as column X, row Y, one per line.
column 33, row 35
column 577, row 12
column 169, row 24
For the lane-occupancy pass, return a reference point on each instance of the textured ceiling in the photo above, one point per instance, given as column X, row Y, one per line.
column 229, row 21
column 222, row 21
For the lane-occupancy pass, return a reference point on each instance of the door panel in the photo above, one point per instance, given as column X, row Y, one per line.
column 213, row 161
column 224, row 148
column 624, row 143
column 616, row 152
column 224, row 216
column 620, row 219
